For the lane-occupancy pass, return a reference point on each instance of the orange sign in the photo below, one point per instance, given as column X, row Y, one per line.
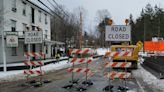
column 153, row 46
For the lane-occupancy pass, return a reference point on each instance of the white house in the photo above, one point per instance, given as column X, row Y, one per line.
column 18, row 16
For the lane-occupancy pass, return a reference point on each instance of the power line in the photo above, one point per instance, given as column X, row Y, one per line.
column 60, row 8
column 52, row 5
column 50, row 9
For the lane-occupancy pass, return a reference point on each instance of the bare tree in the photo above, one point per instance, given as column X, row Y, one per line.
column 102, row 16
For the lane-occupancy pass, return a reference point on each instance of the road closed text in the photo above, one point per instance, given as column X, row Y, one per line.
column 118, row 36
column 118, row 33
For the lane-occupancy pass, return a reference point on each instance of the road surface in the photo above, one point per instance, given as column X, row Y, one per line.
column 61, row 78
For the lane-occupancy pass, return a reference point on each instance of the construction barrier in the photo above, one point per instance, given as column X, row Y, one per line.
column 31, row 72
column 78, row 51
column 78, row 70
column 117, row 64
column 110, row 64
column 81, row 60
column 118, row 75
column 34, row 54
column 85, row 70
column 114, row 54
column 33, row 63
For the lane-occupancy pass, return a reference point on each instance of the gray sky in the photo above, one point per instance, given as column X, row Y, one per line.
column 119, row 9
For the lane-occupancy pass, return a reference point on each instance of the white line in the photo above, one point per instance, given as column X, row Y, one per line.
column 140, row 86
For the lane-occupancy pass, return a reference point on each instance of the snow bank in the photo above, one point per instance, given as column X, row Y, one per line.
column 102, row 51
column 156, row 84
column 18, row 74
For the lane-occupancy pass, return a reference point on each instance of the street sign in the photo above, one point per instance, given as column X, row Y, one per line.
column 118, row 33
column 32, row 37
column 12, row 39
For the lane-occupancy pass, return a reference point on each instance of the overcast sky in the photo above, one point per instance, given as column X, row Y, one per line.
column 119, row 9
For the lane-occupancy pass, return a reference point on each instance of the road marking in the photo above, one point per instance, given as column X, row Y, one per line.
column 140, row 86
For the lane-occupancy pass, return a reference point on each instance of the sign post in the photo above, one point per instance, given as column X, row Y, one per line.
column 33, row 37
column 4, row 52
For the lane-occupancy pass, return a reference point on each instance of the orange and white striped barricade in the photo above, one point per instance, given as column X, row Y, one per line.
column 80, row 51
column 80, row 60
column 74, row 60
column 36, row 72
column 33, row 63
column 117, row 54
column 119, row 75
column 34, row 54
column 118, row 64
column 31, row 72
column 78, row 70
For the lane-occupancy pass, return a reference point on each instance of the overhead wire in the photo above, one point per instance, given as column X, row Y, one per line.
column 49, row 9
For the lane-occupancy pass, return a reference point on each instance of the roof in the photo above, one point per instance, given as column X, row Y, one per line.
column 54, row 42
column 41, row 7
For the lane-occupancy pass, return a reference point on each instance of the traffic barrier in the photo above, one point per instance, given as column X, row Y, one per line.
column 81, row 60
column 118, row 75
column 34, row 54
column 31, row 72
column 118, row 64
column 33, row 63
column 78, row 51
column 78, row 70
column 85, row 70
column 111, row 64
column 114, row 54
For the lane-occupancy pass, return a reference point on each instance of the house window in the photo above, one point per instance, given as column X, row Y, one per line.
column 24, row 26
column 46, row 19
column 46, row 49
column 13, row 25
column 33, row 28
column 13, row 5
column 41, row 49
column 32, row 15
column 24, row 9
column 46, row 34
column 40, row 16
column 25, row 48
column 14, row 51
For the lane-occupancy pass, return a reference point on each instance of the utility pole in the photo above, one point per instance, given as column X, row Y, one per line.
column 3, row 44
column 3, row 51
column 159, row 28
column 144, row 38
column 81, row 30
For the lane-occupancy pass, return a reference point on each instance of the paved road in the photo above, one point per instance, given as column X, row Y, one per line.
column 61, row 78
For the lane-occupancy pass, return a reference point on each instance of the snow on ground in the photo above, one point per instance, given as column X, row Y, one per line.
column 156, row 84
column 18, row 74
column 102, row 51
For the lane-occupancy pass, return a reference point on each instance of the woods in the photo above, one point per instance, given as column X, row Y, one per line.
column 148, row 24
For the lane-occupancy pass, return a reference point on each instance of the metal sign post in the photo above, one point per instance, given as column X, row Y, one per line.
column 73, row 73
column 4, row 52
column 125, row 74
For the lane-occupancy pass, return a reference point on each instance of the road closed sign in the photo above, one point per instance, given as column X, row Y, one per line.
column 118, row 33
column 33, row 37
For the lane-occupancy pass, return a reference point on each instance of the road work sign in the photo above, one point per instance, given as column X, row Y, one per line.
column 118, row 33
column 32, row 37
